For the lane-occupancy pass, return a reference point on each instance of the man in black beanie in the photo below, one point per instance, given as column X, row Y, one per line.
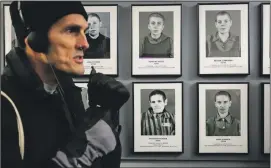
column 43, row 116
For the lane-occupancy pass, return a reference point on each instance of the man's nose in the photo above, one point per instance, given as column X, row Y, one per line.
column 82, row 42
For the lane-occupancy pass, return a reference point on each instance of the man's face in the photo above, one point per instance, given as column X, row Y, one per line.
column 66, row 37
column 222, row 104
column 223, row 23
column 156, row 25
column 94, row 25
column 157, row 103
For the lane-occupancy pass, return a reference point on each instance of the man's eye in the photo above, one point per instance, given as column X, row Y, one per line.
column 72, row 30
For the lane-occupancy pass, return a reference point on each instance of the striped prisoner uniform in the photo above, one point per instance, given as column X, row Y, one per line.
column 157, row 124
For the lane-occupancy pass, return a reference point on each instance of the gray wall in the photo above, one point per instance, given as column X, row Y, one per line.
column 189, row 158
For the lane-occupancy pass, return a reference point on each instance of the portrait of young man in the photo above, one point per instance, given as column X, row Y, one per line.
column 223, row 123
column 156, row 43
column 44, row 123
column 100, row 43
column 157, row 120
column 223, row 34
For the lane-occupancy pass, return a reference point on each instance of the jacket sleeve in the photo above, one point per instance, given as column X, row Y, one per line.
column 10, row 149
column 171, row 48
column 141, row 47
column 84, row 149
column 90, row 142
column 208, row 45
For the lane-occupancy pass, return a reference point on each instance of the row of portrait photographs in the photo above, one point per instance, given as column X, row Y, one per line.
column 223, row 41
column 222, row 116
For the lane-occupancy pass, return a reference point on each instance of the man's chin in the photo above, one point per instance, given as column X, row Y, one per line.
column 222, row 112
column 79, row 72
column 157, row 111
column 93, row 34
column 223, row 31
column 74, row 72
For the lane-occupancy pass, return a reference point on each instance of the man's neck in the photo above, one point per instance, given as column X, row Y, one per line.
column 45, row 72
column 95, row 36
column 155, row 36
column 223, row 115
column 224, row 36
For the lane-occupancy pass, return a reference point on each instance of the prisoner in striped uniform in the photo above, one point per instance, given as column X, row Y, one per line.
column 157, row 120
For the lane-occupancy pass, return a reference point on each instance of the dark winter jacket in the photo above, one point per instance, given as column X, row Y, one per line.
column 49, row 140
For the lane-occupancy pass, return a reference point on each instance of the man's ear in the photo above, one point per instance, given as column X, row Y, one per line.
column 231, row 22
column 35, row 55
column 165, row 102
column 163, row 27
column 230, row 102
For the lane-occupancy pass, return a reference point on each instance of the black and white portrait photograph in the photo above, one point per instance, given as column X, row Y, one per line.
column 266, row 117
column 223, row 39
column 156, row 44
column 101, row 35
column 84, row 93
column 223, row 112
column 157, row 117
column 157, row 103
column 223, row 117
column 265, row 9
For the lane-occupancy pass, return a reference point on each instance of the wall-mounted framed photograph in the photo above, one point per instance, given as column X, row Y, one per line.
column 84, row 92
column 265, row 41
column 102, row 35
column 265, row 87
column 156, row 40
column 223, row 31
column 223, row 117
column 158, row 116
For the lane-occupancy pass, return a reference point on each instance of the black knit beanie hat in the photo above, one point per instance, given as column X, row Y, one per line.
column 39, row 16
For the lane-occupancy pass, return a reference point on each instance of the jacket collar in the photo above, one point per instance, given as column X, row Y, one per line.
column 230, row 38
column 18, row 65
column 227, row 118
column 163, row 114
column 156, row 41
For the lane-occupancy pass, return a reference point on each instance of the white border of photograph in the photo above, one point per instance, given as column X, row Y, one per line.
column 145, row 143
column 7, row 30
column 106, row 66
column 224, row 65
column 81, row 84
column 266, row 111
column 223, row 144
column 84, row 94
column 265, row 39
column 157, row 66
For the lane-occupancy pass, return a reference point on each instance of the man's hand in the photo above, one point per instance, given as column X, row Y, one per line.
column 106, row 91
